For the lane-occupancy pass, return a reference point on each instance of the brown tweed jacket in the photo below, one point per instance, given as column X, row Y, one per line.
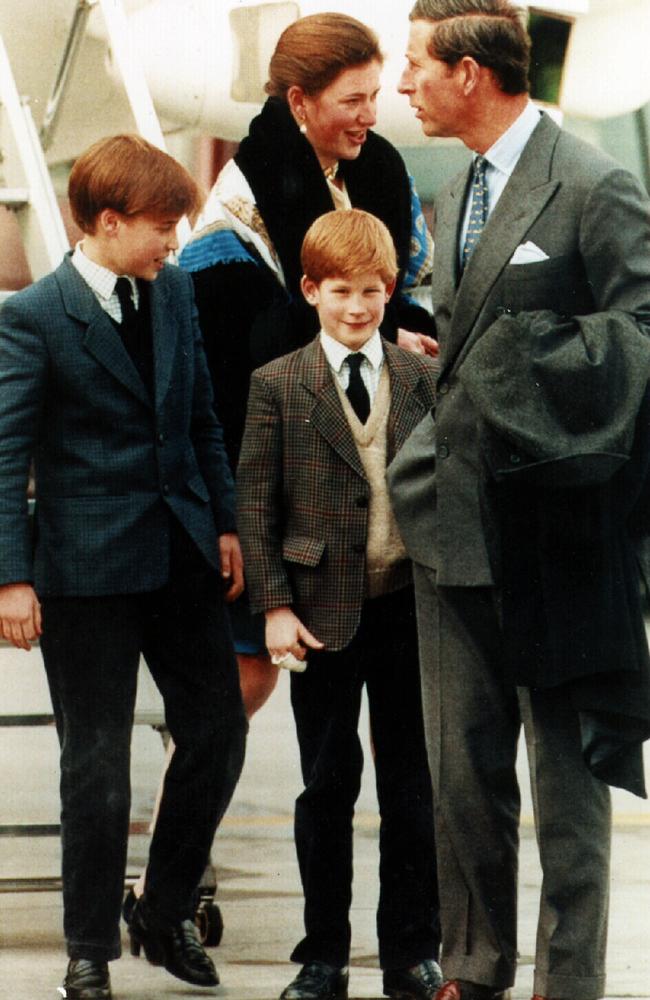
column 302, row 496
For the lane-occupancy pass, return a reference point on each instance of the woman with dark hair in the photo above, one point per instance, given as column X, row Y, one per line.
column 309, row 150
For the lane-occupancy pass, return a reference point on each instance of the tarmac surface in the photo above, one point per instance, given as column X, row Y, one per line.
column 259, row 890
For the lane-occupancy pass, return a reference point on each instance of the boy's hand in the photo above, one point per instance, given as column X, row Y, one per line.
column 20, row 614
column 232, row 564
column 286, row 634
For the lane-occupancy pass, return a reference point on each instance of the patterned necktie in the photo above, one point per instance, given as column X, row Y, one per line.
column 356, row 390
column 479, row 208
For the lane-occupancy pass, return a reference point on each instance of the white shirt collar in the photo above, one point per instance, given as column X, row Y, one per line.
column 101, row 279
column 505, row 152
column 336, row 352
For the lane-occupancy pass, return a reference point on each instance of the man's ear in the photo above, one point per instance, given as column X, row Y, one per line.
column 469, row 72
column 108, row 222
column 309, row 290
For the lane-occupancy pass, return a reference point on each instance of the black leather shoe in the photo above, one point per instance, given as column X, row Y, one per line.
column 420, row 982
column 318, row 981
column 174, row 946
column 86, row 980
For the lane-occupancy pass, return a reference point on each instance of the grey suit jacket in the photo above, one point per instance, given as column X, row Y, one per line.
column 591, row 218
column 110, row 462
column 302, row 491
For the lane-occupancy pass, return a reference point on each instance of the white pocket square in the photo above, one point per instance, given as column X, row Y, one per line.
column 528, row 253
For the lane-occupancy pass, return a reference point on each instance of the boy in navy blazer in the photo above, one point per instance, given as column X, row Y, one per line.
column 104, row 386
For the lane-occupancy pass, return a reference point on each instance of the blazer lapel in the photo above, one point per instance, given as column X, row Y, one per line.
column 165, row 337
column 525, row 196
column 101, row 339
column 327, row 415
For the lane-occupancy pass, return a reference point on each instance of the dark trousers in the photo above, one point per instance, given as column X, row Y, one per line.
column 91, row 648
column 473, row 718
column 326, row 702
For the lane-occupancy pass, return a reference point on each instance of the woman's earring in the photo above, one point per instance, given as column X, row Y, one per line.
column 303, row 128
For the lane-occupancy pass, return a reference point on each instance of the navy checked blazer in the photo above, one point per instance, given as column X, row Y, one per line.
column 302, row 494
column 111, row 463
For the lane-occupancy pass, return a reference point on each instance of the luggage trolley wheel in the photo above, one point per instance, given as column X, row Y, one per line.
column 209, row 922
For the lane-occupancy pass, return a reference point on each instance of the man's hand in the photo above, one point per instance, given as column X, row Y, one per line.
column 232, row 564
column 285, row 634
column 419, row 343
column 20, row 614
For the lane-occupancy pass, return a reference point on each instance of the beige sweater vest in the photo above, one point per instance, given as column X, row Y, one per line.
column 387, row 567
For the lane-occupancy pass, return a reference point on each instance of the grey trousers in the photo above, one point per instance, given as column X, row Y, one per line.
column 473, row 716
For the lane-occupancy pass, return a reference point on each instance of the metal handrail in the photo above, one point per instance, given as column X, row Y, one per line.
column 68, row 59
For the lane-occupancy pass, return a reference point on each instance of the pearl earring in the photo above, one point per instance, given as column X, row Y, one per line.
column 303, row 128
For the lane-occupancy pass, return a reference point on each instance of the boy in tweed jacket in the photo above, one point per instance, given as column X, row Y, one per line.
column 326, row 564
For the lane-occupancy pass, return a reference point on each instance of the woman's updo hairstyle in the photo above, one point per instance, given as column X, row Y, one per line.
column 313, row 50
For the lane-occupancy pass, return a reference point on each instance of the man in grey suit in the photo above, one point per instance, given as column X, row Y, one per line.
column 521, row 503
column 105, row 387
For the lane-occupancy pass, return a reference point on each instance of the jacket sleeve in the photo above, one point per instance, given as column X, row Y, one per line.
column 615, row 245
column 259, row 501
column 23, row 373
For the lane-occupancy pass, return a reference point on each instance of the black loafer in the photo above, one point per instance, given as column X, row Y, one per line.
column 86, row 980
column 318, row 981
column 174, row 946
column 420, row 982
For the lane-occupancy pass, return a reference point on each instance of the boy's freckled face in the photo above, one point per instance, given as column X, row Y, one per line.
column 349, row 309
column 142, row 244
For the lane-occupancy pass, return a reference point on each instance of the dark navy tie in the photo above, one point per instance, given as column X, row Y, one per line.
column 124, row 293
column 356, row 390
column 479, row 208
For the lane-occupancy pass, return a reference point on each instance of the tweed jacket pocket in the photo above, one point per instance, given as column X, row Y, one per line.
column 303, row 550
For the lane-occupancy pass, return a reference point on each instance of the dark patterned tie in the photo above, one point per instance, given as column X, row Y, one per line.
column 479, row 208
column 356, row 390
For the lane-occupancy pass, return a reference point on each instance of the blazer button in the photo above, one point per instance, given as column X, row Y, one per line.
column 161, row 438
column 443, row 451
column 515, row 459
column 442, row 388
column 165, row 489
column 359, row 547
column 361, row 501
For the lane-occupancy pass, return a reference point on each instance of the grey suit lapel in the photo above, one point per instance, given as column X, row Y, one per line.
column 524, row 198
column 327, row 415
column 449, row 211
column 101, row 339
column 406, row 406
